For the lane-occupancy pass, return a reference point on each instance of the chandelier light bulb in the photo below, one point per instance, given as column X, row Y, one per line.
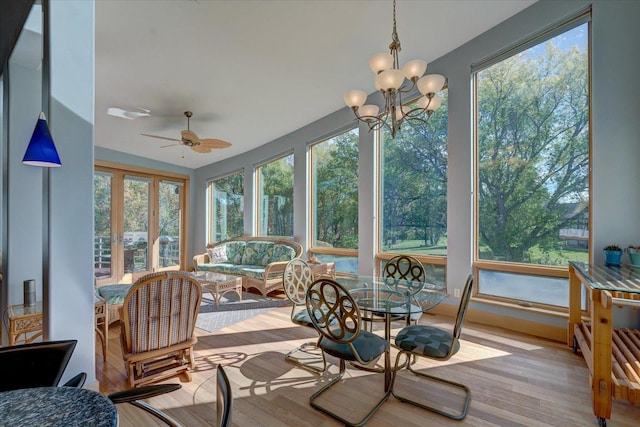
column 435, row 103
column 355, row 98
column 431, row 83
column 414, row 69
column 381, row 62
column 430, row 104
column 369, row 112
column 390, row 79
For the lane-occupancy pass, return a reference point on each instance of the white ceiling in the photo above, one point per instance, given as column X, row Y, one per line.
column 252, row 71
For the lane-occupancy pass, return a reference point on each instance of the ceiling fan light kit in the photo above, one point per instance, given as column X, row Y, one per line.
column 191, row 140
column 390, row 81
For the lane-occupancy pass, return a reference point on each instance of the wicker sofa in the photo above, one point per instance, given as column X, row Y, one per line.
column 260, row 261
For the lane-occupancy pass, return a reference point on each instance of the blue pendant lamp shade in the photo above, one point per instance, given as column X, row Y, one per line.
column 41, row 150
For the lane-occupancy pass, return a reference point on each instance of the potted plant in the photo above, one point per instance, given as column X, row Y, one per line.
column 612, row 255
column 634, row 255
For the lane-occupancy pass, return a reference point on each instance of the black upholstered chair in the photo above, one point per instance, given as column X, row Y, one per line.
column 36, row 365
column 433, row 343
column 224, row 398
column 135, row 397
column 336, row 316
column 297, row 278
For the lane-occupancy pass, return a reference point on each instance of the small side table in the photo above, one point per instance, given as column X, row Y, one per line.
column 25, row 323
column 218, row 284
column 323, row 269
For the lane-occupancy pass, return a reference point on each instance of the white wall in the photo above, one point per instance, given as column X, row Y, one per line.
column 71, row 312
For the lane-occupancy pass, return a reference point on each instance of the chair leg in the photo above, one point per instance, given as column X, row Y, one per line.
column 155, row 412
column 308, row 347
column 343, row 367
column 467, row 392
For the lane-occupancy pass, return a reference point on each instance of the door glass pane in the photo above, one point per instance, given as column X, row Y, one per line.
column 136, row 224
column 102, row 225
column 169, row 224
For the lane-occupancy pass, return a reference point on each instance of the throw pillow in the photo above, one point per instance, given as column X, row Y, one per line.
column 217, row 254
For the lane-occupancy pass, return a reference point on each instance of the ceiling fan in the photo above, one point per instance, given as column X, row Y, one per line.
column 191, row 140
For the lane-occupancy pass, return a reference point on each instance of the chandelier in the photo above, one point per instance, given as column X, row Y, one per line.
column 390, row 81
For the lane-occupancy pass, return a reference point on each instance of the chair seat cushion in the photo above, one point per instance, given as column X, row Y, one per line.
column 114, row 294
column 426, row 340
column 302, row 318
column 368, row 345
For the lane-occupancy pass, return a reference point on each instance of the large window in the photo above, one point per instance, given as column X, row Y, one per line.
column 275, row 197
column 532, row 166
column 226, row 207
column 334, row 201
column 413, row 192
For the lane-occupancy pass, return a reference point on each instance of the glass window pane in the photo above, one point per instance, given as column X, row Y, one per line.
column 136, row 224
column 169, row 224
column 227, row 207
column 414, row 186
column 522, row 287
column 102, row 224
column 334, row 164
column 275, row 209
column 344, row 264
column 533, row 154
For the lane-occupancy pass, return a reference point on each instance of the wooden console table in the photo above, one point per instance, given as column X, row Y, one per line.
column 611, row 354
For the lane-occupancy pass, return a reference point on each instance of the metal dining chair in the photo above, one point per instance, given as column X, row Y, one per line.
column 328, row 302
column 224, row 398
column 135, row 397
column 434, row 343
column 297, row 278
column 411, row 272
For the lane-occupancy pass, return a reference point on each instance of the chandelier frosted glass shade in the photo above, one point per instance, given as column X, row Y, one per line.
column 392, row 82
column 41, row 150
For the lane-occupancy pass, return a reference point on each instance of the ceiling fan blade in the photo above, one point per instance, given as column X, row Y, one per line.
column 129, row 115
column 200, row 149
column 190, row 135
column 160, row 137
column 170, row 145
column 215, row 143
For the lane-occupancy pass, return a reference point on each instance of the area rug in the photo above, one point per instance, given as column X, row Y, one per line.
column 233, row 310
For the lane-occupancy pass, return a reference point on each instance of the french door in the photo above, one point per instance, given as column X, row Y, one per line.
column 139, row 223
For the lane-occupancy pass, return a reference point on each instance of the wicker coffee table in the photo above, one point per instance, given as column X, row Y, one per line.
column 218, row 284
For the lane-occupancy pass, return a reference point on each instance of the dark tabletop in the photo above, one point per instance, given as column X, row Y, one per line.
column 56, row 406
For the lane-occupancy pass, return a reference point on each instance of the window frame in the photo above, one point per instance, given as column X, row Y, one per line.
column 545, row 34
column 258, row 192
column 382, row 256
column 210, row 224
column 312, row 249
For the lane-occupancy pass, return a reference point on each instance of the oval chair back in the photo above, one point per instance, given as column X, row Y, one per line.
column 406, row 268
column 333, row 311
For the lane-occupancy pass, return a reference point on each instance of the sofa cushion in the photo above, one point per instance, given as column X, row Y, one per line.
column 282, row 253
column 217, row 254
column 235, row 251
column 221, row 267
column 114, row 294
column 258, row 253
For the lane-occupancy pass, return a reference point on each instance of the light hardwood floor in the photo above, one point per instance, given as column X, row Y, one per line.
column 515, row 380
